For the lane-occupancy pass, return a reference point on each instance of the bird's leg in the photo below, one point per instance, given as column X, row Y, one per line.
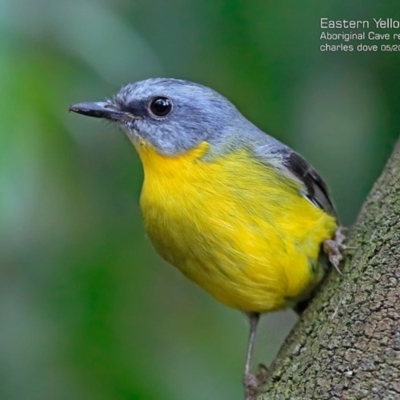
column 251, row 381
column 335, row 247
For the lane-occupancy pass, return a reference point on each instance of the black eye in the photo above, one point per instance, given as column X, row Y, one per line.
column 160, row 106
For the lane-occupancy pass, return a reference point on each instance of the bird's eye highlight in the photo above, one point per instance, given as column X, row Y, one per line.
column 160, row 106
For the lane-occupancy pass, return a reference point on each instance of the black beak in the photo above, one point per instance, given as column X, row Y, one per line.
column 102, row 110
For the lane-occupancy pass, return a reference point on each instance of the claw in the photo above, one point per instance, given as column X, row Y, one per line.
column 262, row 373
column 252, row 382
column 334, row 248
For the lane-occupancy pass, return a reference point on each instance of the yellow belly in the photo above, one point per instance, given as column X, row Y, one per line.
column 234, row 226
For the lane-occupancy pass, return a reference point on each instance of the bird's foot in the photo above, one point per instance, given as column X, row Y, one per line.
column 335, row 247
column 252, row 382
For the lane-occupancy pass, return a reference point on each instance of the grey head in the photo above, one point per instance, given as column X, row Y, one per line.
column 172, row 115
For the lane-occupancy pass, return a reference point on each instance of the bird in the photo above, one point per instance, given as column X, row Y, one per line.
column 235, row 210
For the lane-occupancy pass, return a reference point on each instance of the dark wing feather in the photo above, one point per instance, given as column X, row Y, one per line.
column 316, row 189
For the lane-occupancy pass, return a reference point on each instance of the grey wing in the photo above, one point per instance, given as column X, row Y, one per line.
column 316, row 189
column 271, row 151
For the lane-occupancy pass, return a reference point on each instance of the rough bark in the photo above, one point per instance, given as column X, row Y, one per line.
column 347, row 343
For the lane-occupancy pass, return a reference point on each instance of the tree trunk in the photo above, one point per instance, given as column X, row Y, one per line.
column 347, row 343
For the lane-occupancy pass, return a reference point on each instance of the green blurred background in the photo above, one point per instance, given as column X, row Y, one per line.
column 87, row 309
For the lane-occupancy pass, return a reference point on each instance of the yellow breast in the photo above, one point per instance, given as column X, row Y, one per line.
column 234, row 226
